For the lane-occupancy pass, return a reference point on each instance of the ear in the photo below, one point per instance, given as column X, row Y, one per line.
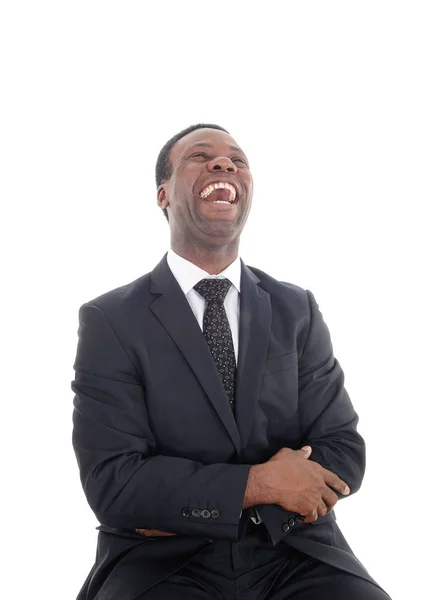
column 162, row 195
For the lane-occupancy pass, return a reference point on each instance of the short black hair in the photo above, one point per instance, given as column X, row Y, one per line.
column 163, row 163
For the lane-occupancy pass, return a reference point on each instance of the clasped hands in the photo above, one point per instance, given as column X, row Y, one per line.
column 319, row 479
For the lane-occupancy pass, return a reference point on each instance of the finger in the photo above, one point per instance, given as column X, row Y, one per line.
column 330, row 498
column 312, row 517
column 153, row 532
column 322, row 508
column 305, row 451
column 332, row 480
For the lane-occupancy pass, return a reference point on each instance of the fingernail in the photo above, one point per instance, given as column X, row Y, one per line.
column 346, row 490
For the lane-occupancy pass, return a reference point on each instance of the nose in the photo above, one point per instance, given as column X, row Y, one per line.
column 222, row 163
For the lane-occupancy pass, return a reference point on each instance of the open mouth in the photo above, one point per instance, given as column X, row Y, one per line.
column 221, row 192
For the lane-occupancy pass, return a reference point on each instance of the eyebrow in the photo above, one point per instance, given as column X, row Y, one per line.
column 205, row 145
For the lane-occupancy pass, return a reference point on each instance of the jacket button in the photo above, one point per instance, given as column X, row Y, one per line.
column 186, row 512
column 215, row 513
column 196, row 512
column 208, row 539
column 291, row 522
column 205, row 513
column 299, row 519
column 285, row 527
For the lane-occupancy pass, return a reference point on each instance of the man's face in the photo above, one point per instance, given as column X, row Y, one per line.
column 209, row 194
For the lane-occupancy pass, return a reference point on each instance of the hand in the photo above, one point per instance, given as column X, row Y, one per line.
column 153, row 532
column 303, row 486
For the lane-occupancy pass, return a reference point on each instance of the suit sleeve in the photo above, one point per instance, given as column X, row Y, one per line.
column 126, row 483
column 328, row 421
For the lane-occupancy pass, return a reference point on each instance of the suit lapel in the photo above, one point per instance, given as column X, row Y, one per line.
column 254, row 339
column 173, row 311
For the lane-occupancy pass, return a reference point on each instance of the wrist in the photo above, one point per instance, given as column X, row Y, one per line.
column 257, row 489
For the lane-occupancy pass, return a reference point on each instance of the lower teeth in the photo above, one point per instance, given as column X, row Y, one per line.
column 221, row 201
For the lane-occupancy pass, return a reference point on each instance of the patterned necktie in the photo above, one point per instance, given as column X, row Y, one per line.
column 217, row 331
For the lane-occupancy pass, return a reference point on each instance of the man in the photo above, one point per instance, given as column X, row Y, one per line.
column 212, row 429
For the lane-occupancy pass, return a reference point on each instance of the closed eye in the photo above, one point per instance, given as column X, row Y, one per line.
column 206, row 157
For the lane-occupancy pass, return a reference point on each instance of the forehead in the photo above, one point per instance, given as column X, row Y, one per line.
column 205, row 138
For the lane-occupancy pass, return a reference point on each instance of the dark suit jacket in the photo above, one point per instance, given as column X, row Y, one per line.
column 156, row 441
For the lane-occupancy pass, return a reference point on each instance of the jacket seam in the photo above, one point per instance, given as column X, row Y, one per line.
column 310, row 324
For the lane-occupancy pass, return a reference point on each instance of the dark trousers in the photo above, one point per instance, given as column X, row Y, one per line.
column 254, row 569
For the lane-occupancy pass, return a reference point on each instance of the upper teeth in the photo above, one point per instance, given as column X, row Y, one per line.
column 215, row 186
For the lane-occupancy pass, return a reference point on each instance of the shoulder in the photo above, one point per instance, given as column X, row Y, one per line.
column 124, row 298
column 282, row 290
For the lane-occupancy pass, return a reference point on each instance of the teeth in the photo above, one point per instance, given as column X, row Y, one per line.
column 219, row 185
column 208, row 191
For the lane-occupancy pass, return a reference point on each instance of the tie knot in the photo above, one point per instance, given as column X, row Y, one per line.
column 213, row 289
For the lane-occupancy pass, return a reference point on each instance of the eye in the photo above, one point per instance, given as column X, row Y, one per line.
column 200, row 154
column 239, row 160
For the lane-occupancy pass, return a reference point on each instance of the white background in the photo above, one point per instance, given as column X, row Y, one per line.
column 331, row 101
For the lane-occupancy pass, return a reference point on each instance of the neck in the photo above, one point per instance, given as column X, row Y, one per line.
column 211, row 260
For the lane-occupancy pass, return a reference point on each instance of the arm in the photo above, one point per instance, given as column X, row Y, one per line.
column 124, row 484
column 327, row 417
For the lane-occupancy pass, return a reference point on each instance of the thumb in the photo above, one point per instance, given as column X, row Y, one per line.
column 306, row 451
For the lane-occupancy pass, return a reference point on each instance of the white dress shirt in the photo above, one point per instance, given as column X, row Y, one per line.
column 188, row 274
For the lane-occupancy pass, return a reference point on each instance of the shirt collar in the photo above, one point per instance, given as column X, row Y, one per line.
column 188, row 274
